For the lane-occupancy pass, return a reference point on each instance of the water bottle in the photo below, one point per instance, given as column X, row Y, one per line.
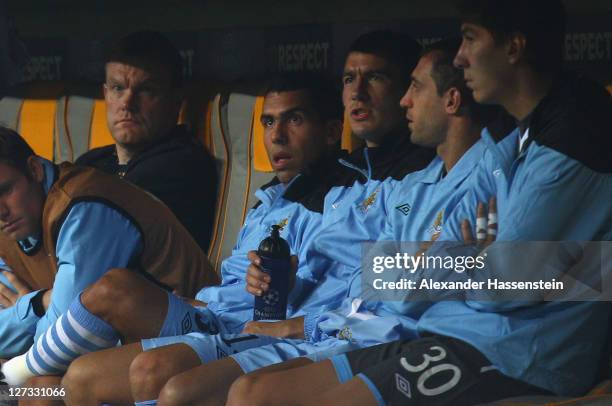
column 275, row 261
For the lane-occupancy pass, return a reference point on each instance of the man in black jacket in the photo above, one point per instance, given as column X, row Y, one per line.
column 143, row 98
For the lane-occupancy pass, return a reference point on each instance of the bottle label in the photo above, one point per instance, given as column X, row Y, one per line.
column 273, row 304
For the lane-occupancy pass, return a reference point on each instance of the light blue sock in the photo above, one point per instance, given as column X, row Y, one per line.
column 146, row 403
column 75, row 333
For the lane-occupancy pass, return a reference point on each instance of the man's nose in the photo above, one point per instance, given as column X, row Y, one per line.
column 360, row 91
column 129, row 100
column 406, row 100
column 279, row 134
column 460, row 60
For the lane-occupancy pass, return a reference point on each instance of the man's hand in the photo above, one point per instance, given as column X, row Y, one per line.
column 257, row 281
column 426, row 245
column 7, row 297
column 486, row 226
column 292, row 328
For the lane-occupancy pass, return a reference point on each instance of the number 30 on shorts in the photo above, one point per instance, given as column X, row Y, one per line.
column 438, row 355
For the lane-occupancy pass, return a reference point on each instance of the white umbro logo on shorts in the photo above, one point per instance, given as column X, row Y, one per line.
column 403, row 385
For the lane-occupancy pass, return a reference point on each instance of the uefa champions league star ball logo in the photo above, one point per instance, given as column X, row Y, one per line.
column 271, row 298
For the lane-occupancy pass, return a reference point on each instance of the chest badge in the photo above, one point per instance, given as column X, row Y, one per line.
column 436, row 228
column 281, row 224
column 369, row 201
column 345, row 334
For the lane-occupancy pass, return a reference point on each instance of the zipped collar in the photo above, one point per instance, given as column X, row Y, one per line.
column 460, row 170
column 395, row 157
column 309, row 187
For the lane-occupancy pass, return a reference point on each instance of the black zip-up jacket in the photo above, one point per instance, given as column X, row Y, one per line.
column 177, row 170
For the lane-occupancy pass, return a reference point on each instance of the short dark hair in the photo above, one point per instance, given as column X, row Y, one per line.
column 541, row 21
column 443, row 72
column 446, row 75
column 14, row 150
column 323, row 91
column 400, row 49
column 148, row 49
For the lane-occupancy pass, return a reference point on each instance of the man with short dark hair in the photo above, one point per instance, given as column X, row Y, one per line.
column 63, row 227
column 143, row 95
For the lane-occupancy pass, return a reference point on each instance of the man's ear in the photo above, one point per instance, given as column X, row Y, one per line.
column 452, row 101
column 515, row 47
column 35, row 169
column 333, row 129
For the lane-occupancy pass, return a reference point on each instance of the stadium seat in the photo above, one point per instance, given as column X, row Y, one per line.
column 241, row 162
column 85, row 119
column 35, row 110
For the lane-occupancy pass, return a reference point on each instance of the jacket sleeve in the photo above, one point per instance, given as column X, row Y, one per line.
column 17, row 327
column 534, row 213
column 528, row 214
column 93, row 239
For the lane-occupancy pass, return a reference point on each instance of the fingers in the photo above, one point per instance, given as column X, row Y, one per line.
column 486, row 224
column 20, row 286
column 254, row 258
column 257, row 281
column 481, row 223
column 466, row 231
column 424, row 247
column 4, row 301
column 7, row 296
column 492, row 221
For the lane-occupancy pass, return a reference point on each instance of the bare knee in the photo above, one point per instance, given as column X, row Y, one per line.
column 148, row 374
column 77, row 381
column 112, row 289
column 174, row 393
column 249, row 389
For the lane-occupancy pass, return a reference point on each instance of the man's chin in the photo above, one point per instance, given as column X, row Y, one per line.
column 482, row 97
column 285, row 176
column 369, row 135
column 129, row 138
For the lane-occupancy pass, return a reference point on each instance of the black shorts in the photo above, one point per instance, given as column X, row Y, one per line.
column 429, row 371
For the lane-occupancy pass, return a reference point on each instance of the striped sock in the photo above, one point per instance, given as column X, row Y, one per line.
column 75, row 333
